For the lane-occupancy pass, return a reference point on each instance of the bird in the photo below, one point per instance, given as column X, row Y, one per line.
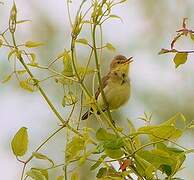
column 116, row 86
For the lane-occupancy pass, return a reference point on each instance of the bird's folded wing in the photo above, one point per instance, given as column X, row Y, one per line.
column 104, row 84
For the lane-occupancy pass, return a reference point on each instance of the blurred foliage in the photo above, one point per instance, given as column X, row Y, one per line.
column 145, row 159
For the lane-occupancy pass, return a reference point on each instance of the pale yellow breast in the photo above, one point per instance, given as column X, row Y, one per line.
column 117, row 94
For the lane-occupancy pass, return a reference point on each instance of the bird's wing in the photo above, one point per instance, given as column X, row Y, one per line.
column 104, row 84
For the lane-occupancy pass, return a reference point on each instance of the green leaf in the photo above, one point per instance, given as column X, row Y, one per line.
column 83, row 158
column 103, row 135
column 13, row 11
column 99, row 148
column 35, row 174
column 131, row 131
column 19, row 142
column 178, row 156
column 33, row 58
column 21, row 72
column 32, row 44
column 141, row 164
column 167, row 132
column 82, row 41
column 69, row 99
column 1, row 42
column 173, row 120
column 25, row 85
column 74, row 147
column 192, row 36
column 166, row 169
column 155, row 158
column 67, row 64
column 97, row 164
column 42, row 156
column 60, row 178
column 149, row 172
column 44, row 172
column 191, row 124
column 161, row 132
column 180, row 58
column 115, row 17
column 7, row 78
column 102, row 172
column 22, row 21
column 168, row 160
column 122, row 1
column 114, row 153
column 83, row 70
column 11, row 53
column 13, row 18
column 113, row 144
column 110, row 47
column 74, row 176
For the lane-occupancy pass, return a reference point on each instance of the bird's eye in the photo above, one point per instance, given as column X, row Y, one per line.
column 118, row 62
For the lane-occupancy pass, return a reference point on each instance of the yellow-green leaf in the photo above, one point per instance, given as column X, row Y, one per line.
column 21, row 72
column 192, row 36
column 102, row 172
column 60, row 178
column 74, row 176
column 22, row 21
column 114, row 153
column 115, row 17
column 149, row 172
column 25, row 85
column 32, row 44
column 43, row 172
column 110, row 47
column 69, row 99
column 35, row 174
column 180, row 58
column 42, row 156
column 191, row 124
column 74, row 147
column 98, row 162
column 13, row 18
column 11, row 53
column 85, row 71
column 19, row 142
column 13, row 13
column 1, row 42
column 161, row 132
column 63, row 54
column 33, row 58
column 103, row 135
column 7, row 78
column 67, row 70
column 82, row 41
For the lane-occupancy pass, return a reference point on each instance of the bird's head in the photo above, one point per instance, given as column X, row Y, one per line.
column 121, row 63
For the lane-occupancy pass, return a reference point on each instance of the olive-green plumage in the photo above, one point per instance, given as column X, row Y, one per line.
column 116, row 85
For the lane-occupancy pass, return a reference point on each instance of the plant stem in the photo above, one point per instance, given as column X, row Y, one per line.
column 38, row 86
column 110, row 120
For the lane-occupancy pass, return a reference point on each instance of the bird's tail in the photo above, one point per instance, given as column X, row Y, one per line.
column 86, row 115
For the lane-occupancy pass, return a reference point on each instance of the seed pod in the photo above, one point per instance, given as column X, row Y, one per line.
column 13, row 19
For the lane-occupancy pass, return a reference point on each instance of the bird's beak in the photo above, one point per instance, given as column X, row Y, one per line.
column 129, row 60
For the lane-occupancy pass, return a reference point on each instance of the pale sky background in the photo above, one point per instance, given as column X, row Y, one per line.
column 148, row 26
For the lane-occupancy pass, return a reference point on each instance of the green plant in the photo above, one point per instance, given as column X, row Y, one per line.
column 108, row 144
